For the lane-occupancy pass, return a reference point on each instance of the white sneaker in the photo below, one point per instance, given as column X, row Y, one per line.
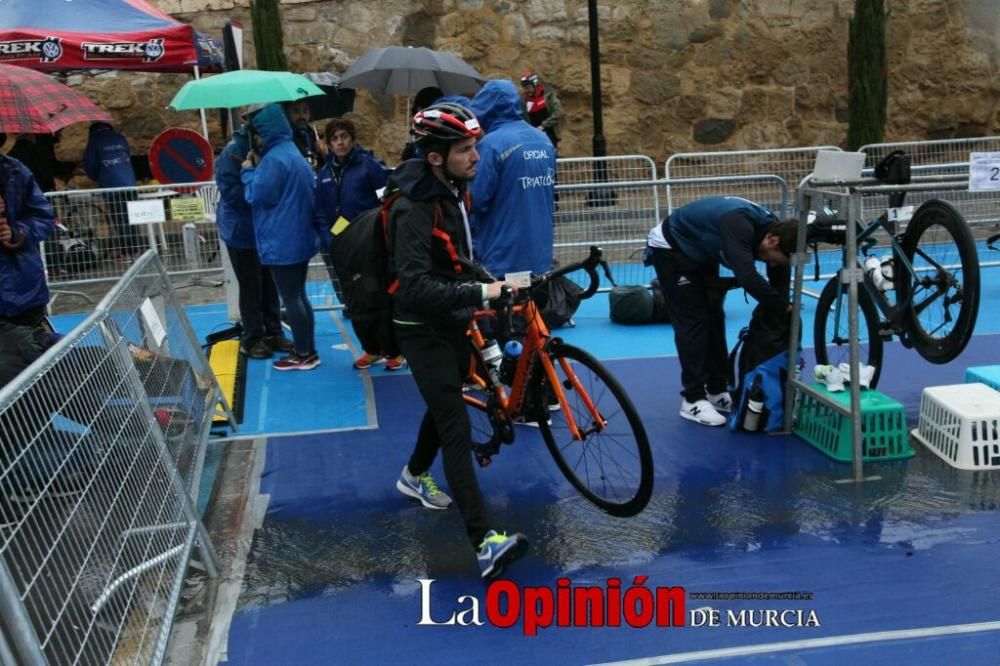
column 865, row 372
column 701, row 411
column 723, row 402
column 831, row 377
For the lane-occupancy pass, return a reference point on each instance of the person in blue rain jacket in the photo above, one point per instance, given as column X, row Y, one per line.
column 513, row 193
column 260, row 309
column 280, row 187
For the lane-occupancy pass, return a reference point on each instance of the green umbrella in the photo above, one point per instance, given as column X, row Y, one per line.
column 242, row 87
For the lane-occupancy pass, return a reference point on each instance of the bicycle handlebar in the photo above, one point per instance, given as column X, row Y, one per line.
column 588, row 265
column 503, row 303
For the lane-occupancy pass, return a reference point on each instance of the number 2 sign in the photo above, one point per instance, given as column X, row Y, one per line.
column 984, row 172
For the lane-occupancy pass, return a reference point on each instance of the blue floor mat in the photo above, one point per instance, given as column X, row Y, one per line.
column 730, row 513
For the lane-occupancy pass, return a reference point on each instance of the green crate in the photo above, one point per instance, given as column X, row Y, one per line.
column 883, row 426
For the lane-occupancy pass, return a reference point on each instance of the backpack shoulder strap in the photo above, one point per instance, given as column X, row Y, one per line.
column 384, row 224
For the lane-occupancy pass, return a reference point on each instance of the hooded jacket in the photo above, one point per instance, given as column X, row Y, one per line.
column 31, row 218
column 727, row 231
column 438, row 281
column 347, row 189
column 513, row 192
column 280, row 190
column 234, row 215
column 108, row 158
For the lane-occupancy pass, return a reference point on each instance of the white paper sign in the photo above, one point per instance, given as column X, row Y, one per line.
column 520, row 279
column 146, row 212
column 900, row 214
column 984, row 172
column 153, row 323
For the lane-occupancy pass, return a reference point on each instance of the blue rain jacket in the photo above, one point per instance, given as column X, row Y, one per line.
column 513, row 193
column 29, row 216
column 347, row 189
column 280, row 189
column 108, row 158
column 234, row 215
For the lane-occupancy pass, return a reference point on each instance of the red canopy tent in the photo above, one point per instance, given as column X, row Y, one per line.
column 61, row 35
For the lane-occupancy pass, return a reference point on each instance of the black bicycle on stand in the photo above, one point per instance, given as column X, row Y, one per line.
column 923, row 289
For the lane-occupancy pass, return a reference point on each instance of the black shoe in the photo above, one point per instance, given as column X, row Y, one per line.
column 279, row 343
column 258, row 349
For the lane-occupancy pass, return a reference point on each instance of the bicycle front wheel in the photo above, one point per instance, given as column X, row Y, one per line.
column 944, row 285
column 612, row 467
column 831, row 336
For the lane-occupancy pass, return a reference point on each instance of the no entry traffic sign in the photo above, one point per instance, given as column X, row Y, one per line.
column 180, row 155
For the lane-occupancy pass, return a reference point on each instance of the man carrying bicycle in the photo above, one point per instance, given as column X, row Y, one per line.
column 436, row 287
column 686, row 250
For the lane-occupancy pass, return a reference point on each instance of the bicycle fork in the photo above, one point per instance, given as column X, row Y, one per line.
column 572, row 383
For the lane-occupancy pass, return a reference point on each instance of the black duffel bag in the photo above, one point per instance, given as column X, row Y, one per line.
column 631, row 304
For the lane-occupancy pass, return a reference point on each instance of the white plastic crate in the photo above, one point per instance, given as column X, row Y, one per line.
column 961, row 424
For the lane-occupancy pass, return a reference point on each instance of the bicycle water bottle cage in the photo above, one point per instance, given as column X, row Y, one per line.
column 894, row 168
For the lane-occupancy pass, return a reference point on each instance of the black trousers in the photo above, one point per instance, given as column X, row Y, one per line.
column 695, row 296
column 260, row 308
column 439, row 362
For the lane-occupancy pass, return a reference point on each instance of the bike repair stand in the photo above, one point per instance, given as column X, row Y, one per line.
column 813, row 196
column 816, row 196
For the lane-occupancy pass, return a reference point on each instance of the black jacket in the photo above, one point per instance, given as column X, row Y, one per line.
column 438, row 281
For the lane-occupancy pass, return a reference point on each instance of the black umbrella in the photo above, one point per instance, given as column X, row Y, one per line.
column 335, row 102
column 404, row 70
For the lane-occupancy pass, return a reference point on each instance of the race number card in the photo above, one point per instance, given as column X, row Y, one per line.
column 984, row 172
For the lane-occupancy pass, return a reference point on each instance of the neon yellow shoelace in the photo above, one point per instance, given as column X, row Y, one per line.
column 432, row 488
column 496, row 538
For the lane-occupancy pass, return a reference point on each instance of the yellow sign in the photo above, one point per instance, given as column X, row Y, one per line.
column 187, row 209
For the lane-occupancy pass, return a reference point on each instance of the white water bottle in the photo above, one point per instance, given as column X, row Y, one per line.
column 492, row 357
column 752, row 418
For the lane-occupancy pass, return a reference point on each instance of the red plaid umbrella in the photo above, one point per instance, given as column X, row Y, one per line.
column 35, row 103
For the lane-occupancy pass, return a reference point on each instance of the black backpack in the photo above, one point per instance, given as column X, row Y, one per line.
column 761, row 354
column 360, row 257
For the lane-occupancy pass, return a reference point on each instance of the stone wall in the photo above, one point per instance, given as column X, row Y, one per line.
column 677, row 75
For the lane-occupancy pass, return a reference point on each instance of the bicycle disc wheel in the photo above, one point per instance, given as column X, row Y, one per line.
column 830, row 330
column 612, row 467
column 944, row 286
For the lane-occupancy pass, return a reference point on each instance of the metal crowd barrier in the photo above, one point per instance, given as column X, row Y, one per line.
column 789, row 164
column 101, row 445
column 610, row 201
column 99, row 243
column 945, row 157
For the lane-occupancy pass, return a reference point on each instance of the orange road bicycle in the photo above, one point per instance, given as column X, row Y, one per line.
column 584, row 415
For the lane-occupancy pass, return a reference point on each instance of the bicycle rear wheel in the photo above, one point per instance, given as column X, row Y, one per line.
column 613, row 466
column 944, row 286
column 830, row 328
